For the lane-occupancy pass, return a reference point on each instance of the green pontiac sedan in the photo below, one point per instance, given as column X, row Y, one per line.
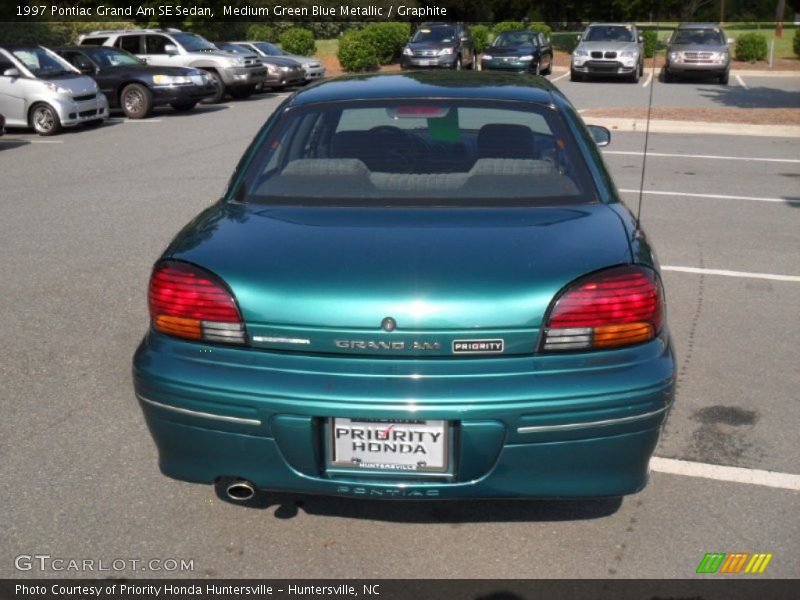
column 417, row 285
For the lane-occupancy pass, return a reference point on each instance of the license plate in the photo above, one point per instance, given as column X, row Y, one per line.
column 394, row 445
column 426, row 63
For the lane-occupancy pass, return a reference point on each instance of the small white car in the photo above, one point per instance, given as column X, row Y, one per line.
column 39, row 89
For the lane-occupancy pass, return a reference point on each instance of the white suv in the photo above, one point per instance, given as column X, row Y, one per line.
column 234, row 74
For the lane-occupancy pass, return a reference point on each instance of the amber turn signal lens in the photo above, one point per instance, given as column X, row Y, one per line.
column 607, row 336
column 185, row 328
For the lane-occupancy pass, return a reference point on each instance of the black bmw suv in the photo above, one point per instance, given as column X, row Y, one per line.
column 440, row 45
column 136, row 87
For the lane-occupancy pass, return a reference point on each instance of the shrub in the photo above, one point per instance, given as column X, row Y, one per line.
column 258, row 32
column 751, row 47
column 356, row 52
column 796, row 42
column 480, row 33
column 541, row 28
column 387, row 39
column 298, row 41
column 506, row 26
column 650, row 41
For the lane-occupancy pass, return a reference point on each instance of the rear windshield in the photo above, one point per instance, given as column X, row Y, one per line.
column 419, row 153
column 609, row 33
column 702, row 37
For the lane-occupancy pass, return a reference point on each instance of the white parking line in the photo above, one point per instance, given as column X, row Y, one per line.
column 773, row 479
column 706, row 156
column 123, row 120
column 726, row 273
column 741, row 81
column 17, row 140
column 560, row 77
column 715, row 196
column 648, row 79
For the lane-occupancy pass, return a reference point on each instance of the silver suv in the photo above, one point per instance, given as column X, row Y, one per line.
column 610, row 49
column 41, row 90
column 237, row 75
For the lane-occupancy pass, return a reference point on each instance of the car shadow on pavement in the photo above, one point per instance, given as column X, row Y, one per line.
column 735, row 96
column 288, row 506
column 10, row 144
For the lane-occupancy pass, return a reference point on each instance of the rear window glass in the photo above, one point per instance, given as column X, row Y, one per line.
column 94, row 41
column 129, row 43
column 422, row 153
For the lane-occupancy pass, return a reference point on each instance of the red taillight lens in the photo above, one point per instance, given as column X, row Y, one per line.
column 188, row 302
column 612, row 308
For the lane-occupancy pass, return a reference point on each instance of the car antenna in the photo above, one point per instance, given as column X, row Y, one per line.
column 647, row 126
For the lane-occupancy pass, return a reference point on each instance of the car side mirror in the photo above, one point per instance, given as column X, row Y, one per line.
column 601, row 135
column 171, row 49
column 578, row 37
column 731, row 41
column 640, row 39
column 12, row 72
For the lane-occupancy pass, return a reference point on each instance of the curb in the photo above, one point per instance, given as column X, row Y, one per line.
column 695, row 127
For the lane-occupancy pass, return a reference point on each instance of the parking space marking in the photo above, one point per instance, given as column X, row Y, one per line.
column 25, row 141
column 774, row 479
column 560, row 77
column 705, row 156
column 741, row 81
column 714, row 196
column 123, row 120
column 727, row 273
column 648, row 79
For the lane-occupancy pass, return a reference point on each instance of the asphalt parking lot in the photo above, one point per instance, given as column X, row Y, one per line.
column 85, row 214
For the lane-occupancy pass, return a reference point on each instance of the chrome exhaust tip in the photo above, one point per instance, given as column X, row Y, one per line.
column 240, row 490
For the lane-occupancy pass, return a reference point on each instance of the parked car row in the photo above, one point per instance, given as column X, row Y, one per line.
column 136, row 71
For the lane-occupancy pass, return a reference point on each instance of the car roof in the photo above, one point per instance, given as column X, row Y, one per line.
column 604, row 24
column 698, row 26
column 483, row 85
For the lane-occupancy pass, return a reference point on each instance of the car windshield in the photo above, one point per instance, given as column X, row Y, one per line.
column 269, row 49
column 42, row 63
column 443, row 35
column 702, row 37
column 193, row 43
column 111, row 57
column 515, row 38
column 234, row 48
column 426, row 153
column 609, row 33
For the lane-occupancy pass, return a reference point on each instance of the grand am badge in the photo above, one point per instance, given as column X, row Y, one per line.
column 477, row 346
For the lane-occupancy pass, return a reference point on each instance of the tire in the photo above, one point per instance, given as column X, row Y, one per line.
column 241, row 93
column 216, row 98
column 635, row 76
column 641, row 68
column 136, row 101
column 183, row 106
column 458, row 65
column 549, row 69
column 573, row 76
column 723, row 79
column 44, row 120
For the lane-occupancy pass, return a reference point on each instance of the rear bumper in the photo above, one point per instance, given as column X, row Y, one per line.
column 556, row 426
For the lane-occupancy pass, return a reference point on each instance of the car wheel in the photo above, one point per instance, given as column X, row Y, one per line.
column 723, row 79
column 136, row 101
column 242, row 93
column 44, row 120
column 183, row 106
column 634, row 76
column 641, row 68
column 573, row 76
column 549, row 69
column 216, row 98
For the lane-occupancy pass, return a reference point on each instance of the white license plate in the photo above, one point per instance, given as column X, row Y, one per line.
column 396, row 445
column 426, row 63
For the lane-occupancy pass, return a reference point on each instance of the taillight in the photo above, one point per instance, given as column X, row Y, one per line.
column 608, row 309
column 188, row 302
